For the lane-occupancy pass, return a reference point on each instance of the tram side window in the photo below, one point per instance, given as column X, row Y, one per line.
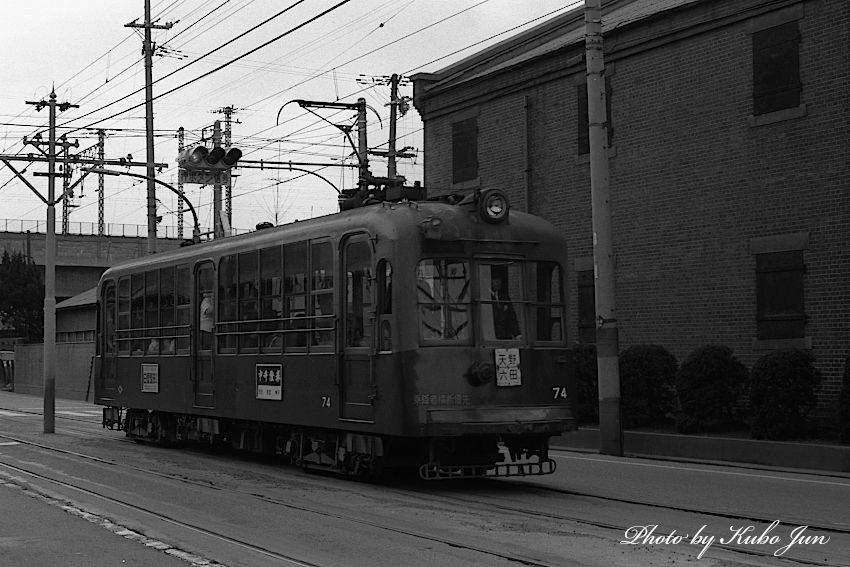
column 248, row 298
column 322, row 283
column 137, row 312
column 358, row 293
column 183, row 295
column 271, row 302
column 385, row 305
column 167, row 308
column 109, row 315
column 295, row 260
column 227, row 304
column 124, row 315
column 547, row 301
column 501, row 298
column 443, row 296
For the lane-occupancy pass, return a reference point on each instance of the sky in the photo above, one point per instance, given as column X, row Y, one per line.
column 328, row 50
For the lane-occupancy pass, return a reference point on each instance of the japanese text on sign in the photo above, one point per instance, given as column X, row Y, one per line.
column 507, row 367
column 269, row 382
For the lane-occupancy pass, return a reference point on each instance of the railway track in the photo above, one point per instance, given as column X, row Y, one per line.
column 482, row 498
column 29, row 480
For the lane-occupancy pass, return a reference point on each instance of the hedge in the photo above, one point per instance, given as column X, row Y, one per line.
column 708, row 385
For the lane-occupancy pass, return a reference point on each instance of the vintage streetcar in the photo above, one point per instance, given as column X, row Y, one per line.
column 395, row 334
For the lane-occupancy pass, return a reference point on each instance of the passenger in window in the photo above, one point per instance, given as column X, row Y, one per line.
column 505, row 324
column 207, row 320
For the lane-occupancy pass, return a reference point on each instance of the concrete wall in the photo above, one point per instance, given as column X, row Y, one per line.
column 72, row 374
column 80, row 260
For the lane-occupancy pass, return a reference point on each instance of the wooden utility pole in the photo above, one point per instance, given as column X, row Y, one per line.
column 148, row 49
column 49, row 370
column 607, row 337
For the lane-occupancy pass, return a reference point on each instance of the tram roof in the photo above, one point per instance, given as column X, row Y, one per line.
column 387, row 219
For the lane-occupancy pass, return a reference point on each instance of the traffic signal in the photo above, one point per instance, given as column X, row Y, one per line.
column 206, row 167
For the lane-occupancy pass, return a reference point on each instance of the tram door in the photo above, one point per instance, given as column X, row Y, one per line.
column 357, row 387
column 204, row 326
column 109, row 343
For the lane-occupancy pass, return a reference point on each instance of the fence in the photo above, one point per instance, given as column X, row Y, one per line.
column 7, row 370
column 109, row 229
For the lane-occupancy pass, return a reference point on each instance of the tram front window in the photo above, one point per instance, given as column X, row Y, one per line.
column 500, row 290
column 443, row 296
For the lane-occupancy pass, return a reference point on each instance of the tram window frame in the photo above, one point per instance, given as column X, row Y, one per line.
column 322, row 310
column 108, row 340
column 296, row 266
column 137, row 314
column 248, row 297
column 358, row 275
column 384, row 273
column 167, row 310
column 271, row 299
column 507, row 302
column 124, row 320
column 431, row 301
column 546, row 294
column 227, row 309
column 183, row 307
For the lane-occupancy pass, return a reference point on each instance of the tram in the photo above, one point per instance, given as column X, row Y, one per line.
column 399, row 333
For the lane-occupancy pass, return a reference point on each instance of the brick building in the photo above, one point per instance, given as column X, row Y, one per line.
column 729, row 123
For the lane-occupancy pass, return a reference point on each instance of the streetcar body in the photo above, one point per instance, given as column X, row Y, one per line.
column 395, row 334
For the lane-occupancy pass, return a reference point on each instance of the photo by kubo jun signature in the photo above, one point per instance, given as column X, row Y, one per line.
column 738, row 535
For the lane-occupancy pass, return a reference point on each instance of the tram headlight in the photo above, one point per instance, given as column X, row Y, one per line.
column 493, row 206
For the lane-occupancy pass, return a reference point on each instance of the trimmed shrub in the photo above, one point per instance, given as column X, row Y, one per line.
column 708, row 384
column 647, row 375
column 844, row 405
column 782, row 394
column 587, row 406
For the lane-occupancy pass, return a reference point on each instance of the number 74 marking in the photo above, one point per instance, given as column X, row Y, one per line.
column 559, row 392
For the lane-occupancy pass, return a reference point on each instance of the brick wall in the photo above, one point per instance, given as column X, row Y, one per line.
column 692, row 179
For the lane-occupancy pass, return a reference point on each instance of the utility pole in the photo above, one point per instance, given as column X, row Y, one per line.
column 607, row 335
column 49, row 373
column 180, row 147
column 148, row 49
column 101, row 147
column 391, row 153
column 362, row 145
column 66, row 182
column 228, row 112
column 218, row 229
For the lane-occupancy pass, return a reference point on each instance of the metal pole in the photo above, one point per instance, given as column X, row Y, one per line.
column 218, row 229
column 49, row 377
column 362, row 146
column 391, row 167
column 180, row 147
column 607, row 338
column 101, row 144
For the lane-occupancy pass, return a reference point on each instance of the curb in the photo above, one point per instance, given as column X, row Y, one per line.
column 783, row 454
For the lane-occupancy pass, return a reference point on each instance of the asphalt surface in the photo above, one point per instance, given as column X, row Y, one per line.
column 37, row 530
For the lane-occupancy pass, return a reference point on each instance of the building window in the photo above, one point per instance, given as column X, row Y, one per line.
column 776, row 68
column 586, row 307
column 779, row 295
column 583, row 120
column 465, row 150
